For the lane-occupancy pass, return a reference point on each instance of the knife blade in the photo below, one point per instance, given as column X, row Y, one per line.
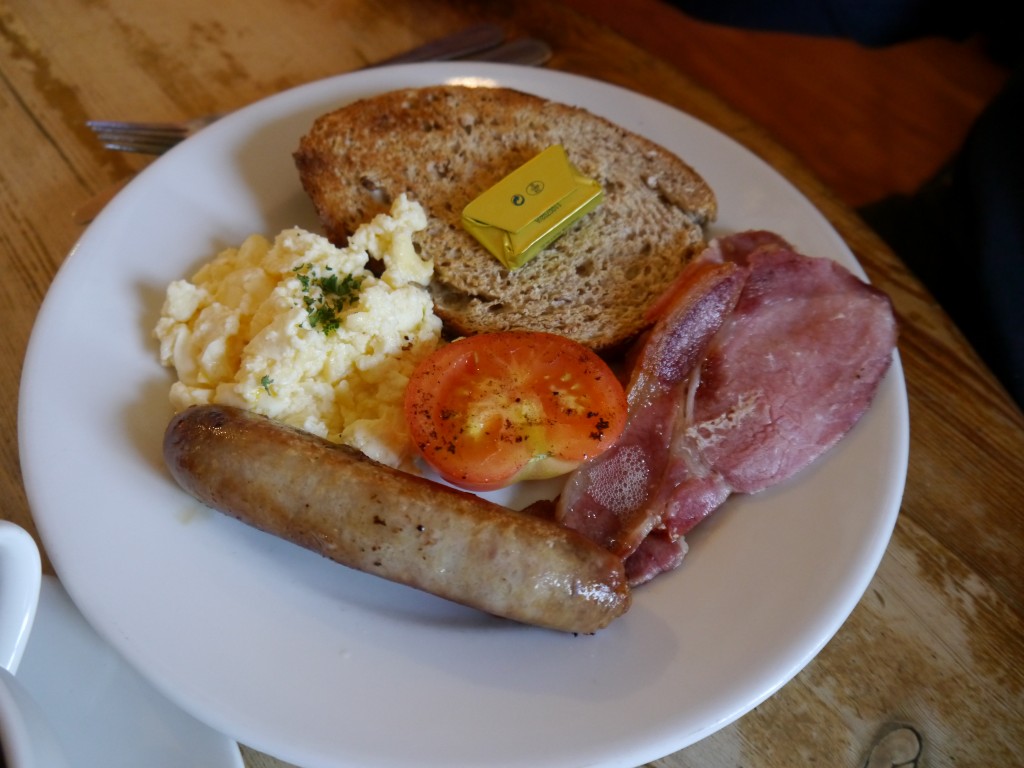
column 525, row 51
column 463, row 44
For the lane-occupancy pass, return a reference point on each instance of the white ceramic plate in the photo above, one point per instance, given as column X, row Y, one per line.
column 103, row 712
column 323, row 666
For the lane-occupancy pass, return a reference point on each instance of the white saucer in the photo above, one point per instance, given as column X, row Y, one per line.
column 103, row 712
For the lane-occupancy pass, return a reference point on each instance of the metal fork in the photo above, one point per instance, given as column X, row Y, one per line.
column 147, row 138
column 157, row 138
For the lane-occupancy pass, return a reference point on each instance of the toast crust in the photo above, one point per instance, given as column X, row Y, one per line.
column 445, row 145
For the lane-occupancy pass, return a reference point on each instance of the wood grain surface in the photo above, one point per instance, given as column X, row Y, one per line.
column 936, row 643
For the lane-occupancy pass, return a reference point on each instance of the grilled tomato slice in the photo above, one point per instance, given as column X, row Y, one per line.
column 490, row 410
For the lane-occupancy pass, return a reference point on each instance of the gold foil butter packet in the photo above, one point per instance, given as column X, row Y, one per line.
column 530, row 208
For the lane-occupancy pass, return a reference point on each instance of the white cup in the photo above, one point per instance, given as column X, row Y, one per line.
column 20, row 577
column 26, row 739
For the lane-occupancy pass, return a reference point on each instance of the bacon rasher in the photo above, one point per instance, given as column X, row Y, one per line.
column 761, row 360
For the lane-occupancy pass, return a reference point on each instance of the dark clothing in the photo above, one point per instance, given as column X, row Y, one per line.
column 963, row 233
column 868, row 22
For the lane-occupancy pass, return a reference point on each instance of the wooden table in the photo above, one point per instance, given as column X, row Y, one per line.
column 937, row 642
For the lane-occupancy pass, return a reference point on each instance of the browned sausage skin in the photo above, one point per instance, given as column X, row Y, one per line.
column 335, row 501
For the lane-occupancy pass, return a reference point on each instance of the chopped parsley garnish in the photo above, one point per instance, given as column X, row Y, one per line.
column 265, row 382
column 326, row 296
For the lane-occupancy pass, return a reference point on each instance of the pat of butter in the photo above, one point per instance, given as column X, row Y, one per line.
column 526, row 211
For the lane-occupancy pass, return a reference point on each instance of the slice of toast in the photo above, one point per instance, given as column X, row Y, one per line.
column 445, row 145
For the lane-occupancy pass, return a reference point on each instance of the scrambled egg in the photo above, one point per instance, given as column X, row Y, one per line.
column 303, row 332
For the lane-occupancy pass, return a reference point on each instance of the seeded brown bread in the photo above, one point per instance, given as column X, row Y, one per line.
column 445, row 145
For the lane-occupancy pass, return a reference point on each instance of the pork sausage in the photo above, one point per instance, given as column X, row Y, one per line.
column 335, row 501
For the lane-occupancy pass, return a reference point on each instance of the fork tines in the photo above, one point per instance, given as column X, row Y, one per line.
column 151, row 138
